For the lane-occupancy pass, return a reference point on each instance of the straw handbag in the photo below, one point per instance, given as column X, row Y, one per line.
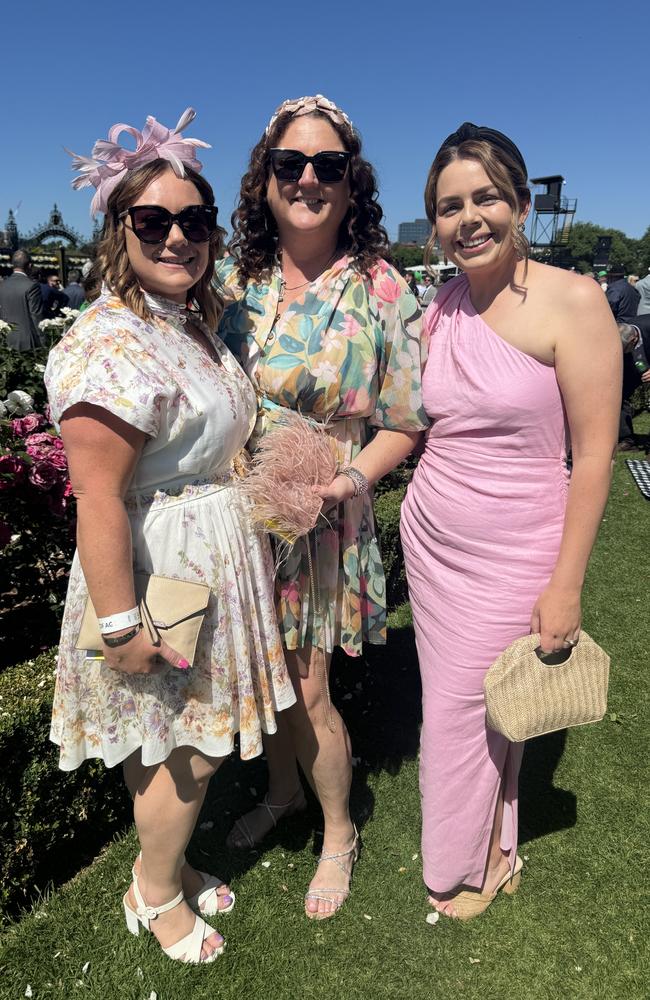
column 528, row 693
column 171, row 609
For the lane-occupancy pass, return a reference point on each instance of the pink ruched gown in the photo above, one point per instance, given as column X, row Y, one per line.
column 481, row 529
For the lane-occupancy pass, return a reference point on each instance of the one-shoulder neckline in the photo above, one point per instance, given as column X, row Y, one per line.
column 472, row 311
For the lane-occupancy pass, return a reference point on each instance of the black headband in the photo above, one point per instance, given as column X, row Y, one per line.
column 468, row 131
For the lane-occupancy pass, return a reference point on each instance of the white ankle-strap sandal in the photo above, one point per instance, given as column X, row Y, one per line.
column 189, row 948
column 205, row 902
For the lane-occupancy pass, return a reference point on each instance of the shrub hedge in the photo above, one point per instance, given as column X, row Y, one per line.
column 53, row 821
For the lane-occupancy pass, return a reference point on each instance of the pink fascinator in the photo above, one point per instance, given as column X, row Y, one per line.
column 110, row 162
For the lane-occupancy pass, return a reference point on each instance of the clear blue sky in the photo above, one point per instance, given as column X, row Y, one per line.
column 568, row 81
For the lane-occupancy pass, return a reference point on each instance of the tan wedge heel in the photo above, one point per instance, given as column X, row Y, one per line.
column 467, row 905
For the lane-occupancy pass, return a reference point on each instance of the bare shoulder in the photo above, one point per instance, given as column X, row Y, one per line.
column 570, row 291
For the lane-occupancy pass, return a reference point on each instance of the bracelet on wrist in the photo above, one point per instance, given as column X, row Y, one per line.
column 113, row 623
column 358, row 479
column 121, row 640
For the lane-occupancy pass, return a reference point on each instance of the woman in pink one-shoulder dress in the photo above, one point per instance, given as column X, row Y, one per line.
column 496, row 534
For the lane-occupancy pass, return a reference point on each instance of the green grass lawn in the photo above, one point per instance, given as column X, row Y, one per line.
column 578, row 927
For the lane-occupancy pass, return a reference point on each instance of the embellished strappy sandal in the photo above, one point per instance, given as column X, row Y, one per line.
column 241, row 835
column 205, row 901
column 319, row 892
column 471, row 904
column 189, row 948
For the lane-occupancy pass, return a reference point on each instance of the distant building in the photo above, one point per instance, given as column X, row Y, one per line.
column 417, row 232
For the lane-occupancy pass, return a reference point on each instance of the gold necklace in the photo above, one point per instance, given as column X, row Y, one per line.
column 293, row 288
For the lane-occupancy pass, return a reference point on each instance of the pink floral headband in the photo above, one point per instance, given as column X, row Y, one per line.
column 110, row 161
column 306, row 106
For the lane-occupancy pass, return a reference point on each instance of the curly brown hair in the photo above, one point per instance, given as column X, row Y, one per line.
column 112, row 265
column 255, row 233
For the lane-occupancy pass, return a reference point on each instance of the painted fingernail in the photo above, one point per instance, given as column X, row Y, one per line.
column 227, row 900
column 183, row 664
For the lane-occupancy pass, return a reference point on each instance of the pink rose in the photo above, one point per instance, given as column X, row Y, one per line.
column 57, row 459
column 5, row 534
column 43, row 475
column 44, row 438
column 14, row 467
column 27, row 425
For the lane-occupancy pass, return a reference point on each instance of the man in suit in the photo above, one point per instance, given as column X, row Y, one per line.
column 635, row 337
column 622, row 297
column 54, row 298
column 74, row 289
column 21, row 305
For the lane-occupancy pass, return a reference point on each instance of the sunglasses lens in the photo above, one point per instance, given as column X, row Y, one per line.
column 150, row 225
column 288, row 165
column 198, row 222
column 330, row 167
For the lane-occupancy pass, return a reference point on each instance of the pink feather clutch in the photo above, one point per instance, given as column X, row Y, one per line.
column 293, row 456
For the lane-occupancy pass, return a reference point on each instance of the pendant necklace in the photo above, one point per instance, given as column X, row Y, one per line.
column 293, row 288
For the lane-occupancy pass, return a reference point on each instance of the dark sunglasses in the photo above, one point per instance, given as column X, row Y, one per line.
column 329, row 167
column 152, row 223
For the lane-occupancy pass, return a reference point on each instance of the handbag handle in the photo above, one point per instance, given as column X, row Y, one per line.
column 555, row 657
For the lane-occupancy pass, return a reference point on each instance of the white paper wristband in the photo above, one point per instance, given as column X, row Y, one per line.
column 125, row 619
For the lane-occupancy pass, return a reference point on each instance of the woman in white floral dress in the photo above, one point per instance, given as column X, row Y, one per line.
column 153, row 410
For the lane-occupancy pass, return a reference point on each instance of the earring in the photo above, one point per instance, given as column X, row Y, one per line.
column 521, row 227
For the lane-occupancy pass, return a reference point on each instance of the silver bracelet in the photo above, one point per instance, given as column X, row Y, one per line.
column 358, row 479
column 124, row 619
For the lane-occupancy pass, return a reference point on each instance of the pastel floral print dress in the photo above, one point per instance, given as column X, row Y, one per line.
column 188, row 522
column 347, row 351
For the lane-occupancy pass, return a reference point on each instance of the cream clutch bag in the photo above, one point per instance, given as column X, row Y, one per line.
column 529, row 693
column 172, row 610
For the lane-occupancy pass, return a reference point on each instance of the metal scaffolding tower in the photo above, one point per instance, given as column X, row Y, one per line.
column 553, row 217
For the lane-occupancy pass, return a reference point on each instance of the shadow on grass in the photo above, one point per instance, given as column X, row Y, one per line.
column 379, row 696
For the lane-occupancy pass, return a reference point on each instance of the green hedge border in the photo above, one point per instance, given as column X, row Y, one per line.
column 52, row 820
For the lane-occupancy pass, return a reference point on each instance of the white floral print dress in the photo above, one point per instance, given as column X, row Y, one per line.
column 187, row 521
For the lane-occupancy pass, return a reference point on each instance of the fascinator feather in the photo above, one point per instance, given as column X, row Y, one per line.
column 110, row 162
column 296, row 454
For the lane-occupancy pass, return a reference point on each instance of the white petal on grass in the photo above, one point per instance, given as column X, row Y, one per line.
column 85, row 967
column 266, row 864
column 153, row 995
column 139, row 973
column 28, row 991
column 433, row 918
column 56, row 954
column 367, row 916
column 475, row 961
column 414, row 857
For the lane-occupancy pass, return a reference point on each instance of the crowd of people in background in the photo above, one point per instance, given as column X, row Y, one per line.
column 30, row 295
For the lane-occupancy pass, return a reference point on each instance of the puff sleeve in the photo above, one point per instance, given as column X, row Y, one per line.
column 402, row 353
column 102, row 361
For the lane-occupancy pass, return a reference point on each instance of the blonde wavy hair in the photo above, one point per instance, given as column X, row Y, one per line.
column 504, row 171
column 113, row 267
